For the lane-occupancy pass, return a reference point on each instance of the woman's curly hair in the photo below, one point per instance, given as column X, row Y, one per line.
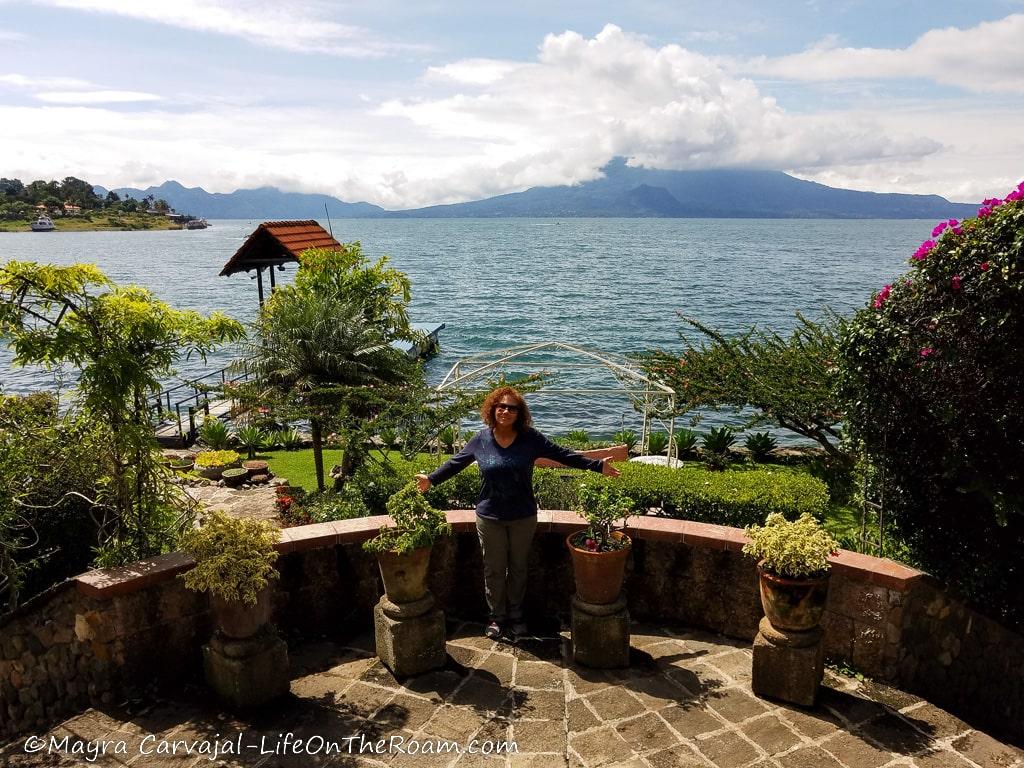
column 523, row 419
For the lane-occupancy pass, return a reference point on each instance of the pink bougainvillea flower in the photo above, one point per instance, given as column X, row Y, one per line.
column 923, row 250
column 955, row 282
column 1017, row 194
column 991, row 202
column 939, row 228
column 984, row 213
column 983, row 266
column 881, row 297
column 926, row 352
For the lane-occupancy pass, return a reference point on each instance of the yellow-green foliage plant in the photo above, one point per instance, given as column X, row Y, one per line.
column 792, row 549
column 209, row 459
column 234, row 557
column 417, row 524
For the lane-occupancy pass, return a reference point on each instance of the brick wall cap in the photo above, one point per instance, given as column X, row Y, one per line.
column 111, row 582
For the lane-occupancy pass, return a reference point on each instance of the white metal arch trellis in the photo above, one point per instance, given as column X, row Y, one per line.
column 650, row 397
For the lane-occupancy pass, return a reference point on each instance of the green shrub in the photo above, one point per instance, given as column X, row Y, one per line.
column 234, row 557
column 601, row 506
column 289, row 439
column 252, row 439
column 792, row 549
column 686, row 441
column 214, row 433
column 719, row 440
column 657, row 442
column 932, row 376
column 417, row 523
column 328, row 506
column 760, row 446
column 50, row 466
column 447, row 437
column 627, row 437
column 733, row 497
column 209, row 459
column 578, row 436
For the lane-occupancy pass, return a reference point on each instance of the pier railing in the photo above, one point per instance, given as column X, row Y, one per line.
column 192, row 396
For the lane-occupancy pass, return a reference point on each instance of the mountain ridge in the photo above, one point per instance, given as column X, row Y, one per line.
column 622, row 191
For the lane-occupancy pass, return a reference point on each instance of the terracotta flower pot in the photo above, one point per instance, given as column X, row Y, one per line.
column 793, row 604
column 599, row 575
column 239, row 620
column 405, row 576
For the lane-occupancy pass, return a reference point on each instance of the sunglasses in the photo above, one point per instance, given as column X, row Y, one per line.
column 506, row 407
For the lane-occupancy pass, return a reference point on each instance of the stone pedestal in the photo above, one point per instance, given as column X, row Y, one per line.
column 600, row 633
column 247, row 673
column 788, row 665
column 410, row 636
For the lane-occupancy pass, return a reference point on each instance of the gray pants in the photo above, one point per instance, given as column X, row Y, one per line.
column 505, row 545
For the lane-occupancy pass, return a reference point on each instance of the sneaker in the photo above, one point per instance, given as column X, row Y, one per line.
column 520, row 628
column 493, row 630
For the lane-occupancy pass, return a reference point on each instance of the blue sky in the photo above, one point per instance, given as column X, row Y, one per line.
column 407, row 104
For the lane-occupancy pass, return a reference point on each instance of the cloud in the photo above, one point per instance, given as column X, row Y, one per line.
column 95, row 97
column 616, row 95
column 294, row 26
column 9, row 36
column 25, row 81
column 480, row 127
column 72, row 90
column 987, row 58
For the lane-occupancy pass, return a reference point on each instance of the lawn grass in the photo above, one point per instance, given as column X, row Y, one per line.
column 298, row 466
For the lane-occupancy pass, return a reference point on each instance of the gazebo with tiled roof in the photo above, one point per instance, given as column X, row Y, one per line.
column 275, row 243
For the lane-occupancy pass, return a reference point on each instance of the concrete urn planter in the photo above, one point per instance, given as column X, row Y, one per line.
column 795, row 605
column 404, row 575
column 239, row 620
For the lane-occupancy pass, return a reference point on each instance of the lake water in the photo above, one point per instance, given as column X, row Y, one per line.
column 608, row 284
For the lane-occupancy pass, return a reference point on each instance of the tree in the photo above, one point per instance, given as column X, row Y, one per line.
column 323, row 344
column 789, row 381
column 932, row 378
column 122, row 340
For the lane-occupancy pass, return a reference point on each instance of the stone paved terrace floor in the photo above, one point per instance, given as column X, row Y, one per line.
column 685, row 701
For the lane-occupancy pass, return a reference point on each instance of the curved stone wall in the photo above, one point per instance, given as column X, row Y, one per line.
column 104, row 634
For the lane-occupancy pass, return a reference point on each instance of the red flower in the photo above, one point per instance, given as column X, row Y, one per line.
column 983, row 266
column 955, row 282
column 926, row 352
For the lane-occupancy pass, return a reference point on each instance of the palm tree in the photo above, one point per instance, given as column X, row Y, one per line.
column 316, row 349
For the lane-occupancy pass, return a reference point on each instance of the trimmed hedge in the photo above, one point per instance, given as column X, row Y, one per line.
column 733, row 497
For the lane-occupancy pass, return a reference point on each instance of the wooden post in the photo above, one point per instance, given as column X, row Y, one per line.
column 259, row 283
column 273, row 285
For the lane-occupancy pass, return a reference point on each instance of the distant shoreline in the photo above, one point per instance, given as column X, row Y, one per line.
column 103, row 223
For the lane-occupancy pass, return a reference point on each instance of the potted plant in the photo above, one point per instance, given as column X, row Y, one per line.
column 211, row 464
column 793, row 568
column 599, row 551
column 403, row 550
column 234, row 563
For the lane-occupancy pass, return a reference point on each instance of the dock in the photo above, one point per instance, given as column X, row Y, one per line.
column 178, row 418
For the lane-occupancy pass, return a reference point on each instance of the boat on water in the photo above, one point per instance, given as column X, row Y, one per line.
column 197, row 224
column 43, row 224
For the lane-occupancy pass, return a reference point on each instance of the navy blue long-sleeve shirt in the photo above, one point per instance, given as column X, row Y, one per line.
column 506, row 490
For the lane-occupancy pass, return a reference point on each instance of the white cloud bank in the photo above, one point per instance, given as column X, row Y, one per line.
column 987, row 58
column 482, row 127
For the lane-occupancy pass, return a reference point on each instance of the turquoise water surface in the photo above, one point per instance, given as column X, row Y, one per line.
column 611, row 284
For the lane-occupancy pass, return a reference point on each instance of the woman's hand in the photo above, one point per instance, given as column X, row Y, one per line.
column 608, row 469
column 422, row 483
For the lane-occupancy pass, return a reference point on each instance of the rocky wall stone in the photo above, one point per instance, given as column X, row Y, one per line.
column 73, row 650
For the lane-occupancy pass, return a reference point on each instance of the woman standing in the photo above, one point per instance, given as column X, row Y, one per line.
column 506, row 513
